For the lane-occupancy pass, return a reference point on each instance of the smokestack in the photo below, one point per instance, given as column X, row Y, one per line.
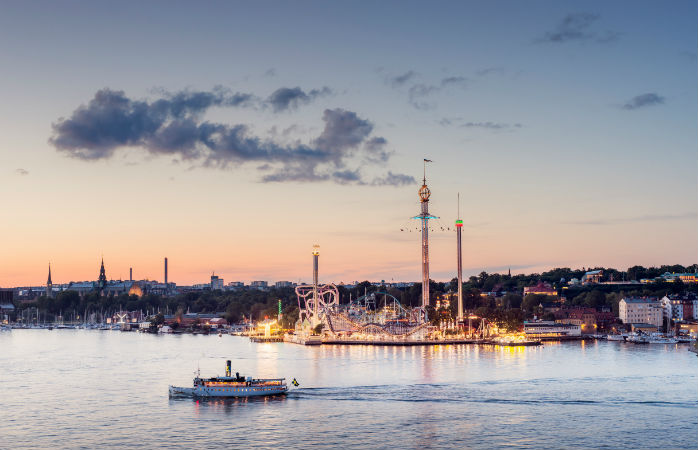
column 130, row 274
column 165, row 273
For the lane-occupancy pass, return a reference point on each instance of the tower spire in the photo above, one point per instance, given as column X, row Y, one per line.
column 102, row 281
column 424, row 194
column 49, row 283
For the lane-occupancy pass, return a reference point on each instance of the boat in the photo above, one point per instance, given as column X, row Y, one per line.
column 231, row 386
column 659, row 338
column 638, row 338
column 662, row 340
column 615, row 337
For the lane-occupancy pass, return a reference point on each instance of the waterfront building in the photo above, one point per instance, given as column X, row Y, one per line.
column 590, row 320
column 551, row 330
column 540, row 289
column 7, row 307
column 641, row 310
column 680, row 307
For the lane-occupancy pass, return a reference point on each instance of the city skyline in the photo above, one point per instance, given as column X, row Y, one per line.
column 565, row 130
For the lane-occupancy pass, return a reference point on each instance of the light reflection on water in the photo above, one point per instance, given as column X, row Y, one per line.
column 73, row 388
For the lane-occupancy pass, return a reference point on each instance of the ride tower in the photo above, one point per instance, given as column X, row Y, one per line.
column 316, row 300
column 459, row 227
column 424, row 217
column 316, row 263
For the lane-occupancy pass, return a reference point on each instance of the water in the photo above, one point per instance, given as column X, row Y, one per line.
column 87, row 389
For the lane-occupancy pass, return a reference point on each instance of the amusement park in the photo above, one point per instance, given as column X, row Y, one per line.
column 379, row 318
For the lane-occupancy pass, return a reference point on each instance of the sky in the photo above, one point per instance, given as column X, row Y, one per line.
column 232, row 136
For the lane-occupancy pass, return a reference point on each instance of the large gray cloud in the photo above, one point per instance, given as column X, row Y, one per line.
column 285, row 98
column 643, row 100
column 578, row 27
column 173, row 125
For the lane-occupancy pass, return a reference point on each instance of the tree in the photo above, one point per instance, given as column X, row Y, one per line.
column 157, row 319
column 531, row 301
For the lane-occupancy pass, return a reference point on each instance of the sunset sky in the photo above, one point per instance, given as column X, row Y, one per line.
column 231, row 137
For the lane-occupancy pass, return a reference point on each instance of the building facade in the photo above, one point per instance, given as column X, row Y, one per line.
column 641, row 310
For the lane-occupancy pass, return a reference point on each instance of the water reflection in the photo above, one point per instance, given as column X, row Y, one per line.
column 91, row 389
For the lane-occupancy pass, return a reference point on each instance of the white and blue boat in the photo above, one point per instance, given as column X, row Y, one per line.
column 231, row 386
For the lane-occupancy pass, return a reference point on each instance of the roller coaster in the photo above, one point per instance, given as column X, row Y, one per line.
column 375, row 315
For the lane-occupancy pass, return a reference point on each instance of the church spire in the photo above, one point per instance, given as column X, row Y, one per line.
column 49, row 283
column 102, row 281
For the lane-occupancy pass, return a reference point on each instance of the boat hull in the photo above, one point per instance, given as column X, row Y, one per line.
column 231, row 392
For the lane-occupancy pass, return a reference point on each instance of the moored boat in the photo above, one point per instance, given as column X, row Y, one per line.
column 231, row 386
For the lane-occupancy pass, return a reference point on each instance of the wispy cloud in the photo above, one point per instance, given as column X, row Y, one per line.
column 643, row 100
column 461, row 123
column 636, row 219
column 400, row 80
column 419, row 93
column 578, row 27
column 22, row 172
column 284, row 99
column 174, row 127
column 490, row 71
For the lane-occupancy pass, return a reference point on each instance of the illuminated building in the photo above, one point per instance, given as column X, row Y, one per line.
column 641, row 310
column 548, row 329
column 540, row 289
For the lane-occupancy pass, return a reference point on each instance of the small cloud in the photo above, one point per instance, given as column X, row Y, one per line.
column 271, row 72
column 643, row 100
column 490, row 71
column 461, row 123
column 22, row 172
column 284, row 99
column 578, row 27
column 453, row 81
column 400, row 80
column 394, row 179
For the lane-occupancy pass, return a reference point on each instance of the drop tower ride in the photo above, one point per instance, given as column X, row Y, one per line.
column 424, row 194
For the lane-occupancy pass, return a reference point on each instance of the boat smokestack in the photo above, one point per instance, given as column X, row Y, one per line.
column 165, row 273
column 228, row 368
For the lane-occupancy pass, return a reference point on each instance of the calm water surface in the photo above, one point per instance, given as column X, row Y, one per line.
column 87, row 389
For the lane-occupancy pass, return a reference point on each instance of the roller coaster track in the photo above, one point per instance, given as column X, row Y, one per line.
column 372, row 328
